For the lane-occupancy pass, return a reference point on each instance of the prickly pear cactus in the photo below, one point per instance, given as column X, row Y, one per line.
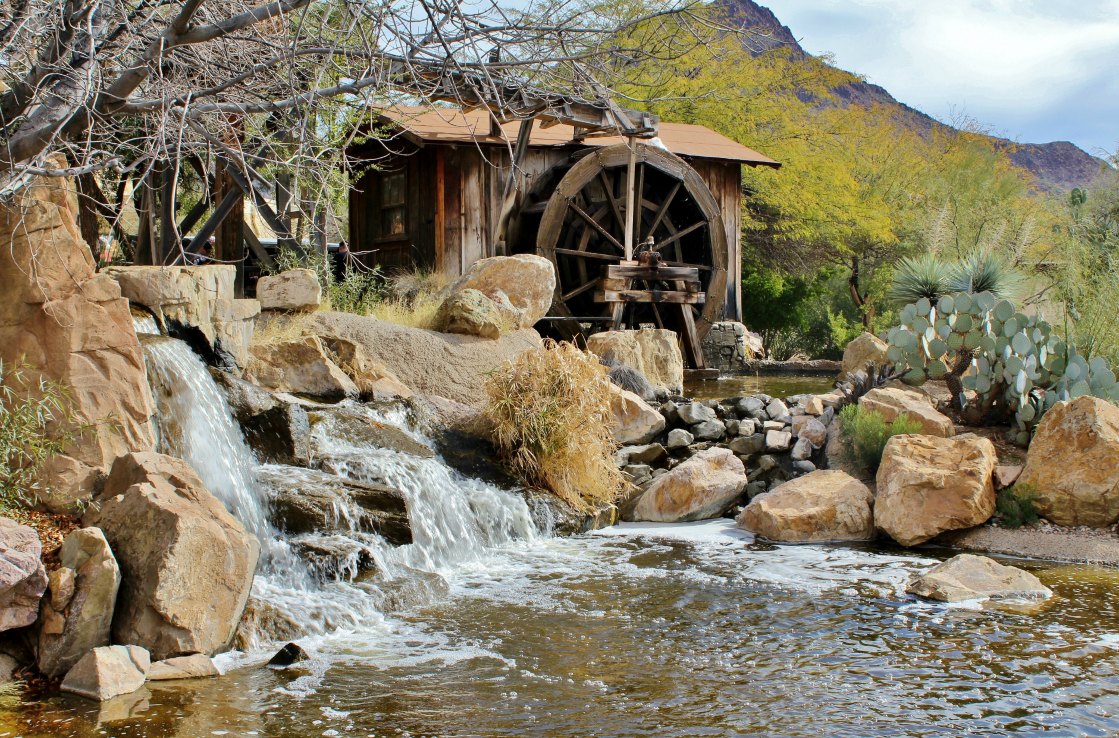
column 991, row 348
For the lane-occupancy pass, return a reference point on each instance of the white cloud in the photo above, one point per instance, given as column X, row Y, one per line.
column 1014, row 65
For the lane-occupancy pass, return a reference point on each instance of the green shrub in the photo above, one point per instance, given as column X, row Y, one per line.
column 550, row 414
column 865, row 433
column 35, row 423
column 1015, row 506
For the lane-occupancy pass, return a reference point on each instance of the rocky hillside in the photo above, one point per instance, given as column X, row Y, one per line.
column 1058, row 165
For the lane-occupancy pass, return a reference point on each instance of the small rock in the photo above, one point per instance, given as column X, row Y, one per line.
column 638, row 473
column 823, row 506
column 970, row 577
column 814, row 432
column 802, row 450
column 679, row 438
column 804, row 466
column 633, row 421
column 814, row 406
column 651, row 454
column 709, row 430
column 766, row 462
column 772, row 425
column 748, row 445
column 700, row 488
column 108, row 671
column 776, row 408
column 290, row 654
column 60, row 584
column 753, row 489
column 194, row 666
column 732, row 427
column 747, row 427
column 776, row 440
column 295, row 289
column 694, row 413
column 1006, row 476
column 751, row 406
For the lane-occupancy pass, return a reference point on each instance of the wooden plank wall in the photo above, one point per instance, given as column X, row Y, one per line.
column 724, row 179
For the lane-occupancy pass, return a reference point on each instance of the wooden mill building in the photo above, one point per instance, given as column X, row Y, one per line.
column 438, row 192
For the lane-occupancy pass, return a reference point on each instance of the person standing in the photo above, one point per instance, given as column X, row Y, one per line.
column 341, row 261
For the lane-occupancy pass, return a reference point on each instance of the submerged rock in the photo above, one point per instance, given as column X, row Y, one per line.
column 107, row 672
column 928, row 485
column 361, row 430
column 970, row 577
column 22, row 576
column 186, row 563
column 1073, row 464
column 819, row 507
column 308, row 501
column 194, row 666
column 700, row 488
column 290, row 654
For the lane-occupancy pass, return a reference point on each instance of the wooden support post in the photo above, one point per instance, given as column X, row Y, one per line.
column 509, row 198
column 631, row 186
column 440, row 211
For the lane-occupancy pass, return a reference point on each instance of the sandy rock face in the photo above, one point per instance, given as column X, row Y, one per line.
column 824, row 505
column 194, row 666
column 22, row 576
column 1073, row 463
column 700, row 488
column 633, row 420
column 83, row 611
column 654, row 352
column 107, row 672
column 890, row 402
column 186, row 564
column 970, row 577
column 295, row 289
column 196, row 298
column 527, row 281
column 865, row 350
column 301, row 367
column 73, row 326
column 373, row 379
column 928, row 485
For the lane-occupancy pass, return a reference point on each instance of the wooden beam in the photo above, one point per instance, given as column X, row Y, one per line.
column 257, row 247
column 666, row 273
column 596, row 225
column 657, row 296
column 589, row 255
column 440, row 211
column 223, row 209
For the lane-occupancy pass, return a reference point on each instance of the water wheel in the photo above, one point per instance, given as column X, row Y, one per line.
column 582, row 228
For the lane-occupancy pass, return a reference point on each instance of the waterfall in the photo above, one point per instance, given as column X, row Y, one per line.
column 454, row 520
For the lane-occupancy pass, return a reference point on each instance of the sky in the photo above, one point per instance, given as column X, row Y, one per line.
column 1030, row 70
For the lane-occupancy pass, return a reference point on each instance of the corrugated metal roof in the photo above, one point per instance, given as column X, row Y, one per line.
column 451, row 125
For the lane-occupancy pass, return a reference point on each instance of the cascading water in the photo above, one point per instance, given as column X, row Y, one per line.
column 453, row 520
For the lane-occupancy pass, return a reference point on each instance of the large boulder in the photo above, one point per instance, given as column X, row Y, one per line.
column 195, row 303
column 700, row 488
column 295, row 289
column 632, row 420
column 78, row 615
column 186, row 564
column 451, row 365
column 22, row 576
column 890, row 402
column 107, row 672
column 866, row 350
column 1073, row 464
column 655, row 352
column 300, row 367
column 928, row 485
column 821, row 506
column 970, row 577
column 525, row 281
column 72, row 326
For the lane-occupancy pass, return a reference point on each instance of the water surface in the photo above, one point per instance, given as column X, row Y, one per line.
column 777, row 385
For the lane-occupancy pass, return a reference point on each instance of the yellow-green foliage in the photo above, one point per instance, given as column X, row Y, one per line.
column 550, row 414
column 411, row 299
column 866, row 432
column 36, row 422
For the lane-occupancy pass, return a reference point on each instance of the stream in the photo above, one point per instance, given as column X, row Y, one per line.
column 686, row 630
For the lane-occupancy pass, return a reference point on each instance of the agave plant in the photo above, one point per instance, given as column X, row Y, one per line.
column 984, row 271
column 922, row 276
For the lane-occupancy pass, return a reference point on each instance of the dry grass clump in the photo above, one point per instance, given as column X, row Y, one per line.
column 279, row 328
column 411, row 299
column 550, row 415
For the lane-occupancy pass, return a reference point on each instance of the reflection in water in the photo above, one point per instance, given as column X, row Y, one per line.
column 777, row 385
column 633, row 633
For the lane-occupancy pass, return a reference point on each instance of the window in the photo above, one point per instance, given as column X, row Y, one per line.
column 393, row 193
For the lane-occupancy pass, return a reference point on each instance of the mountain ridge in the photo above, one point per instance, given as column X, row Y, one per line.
column 1058, row 166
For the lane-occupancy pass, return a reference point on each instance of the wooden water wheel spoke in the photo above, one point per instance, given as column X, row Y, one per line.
column 582, row 228
column 662, row 211
column 675, row 238
column 598, row 227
